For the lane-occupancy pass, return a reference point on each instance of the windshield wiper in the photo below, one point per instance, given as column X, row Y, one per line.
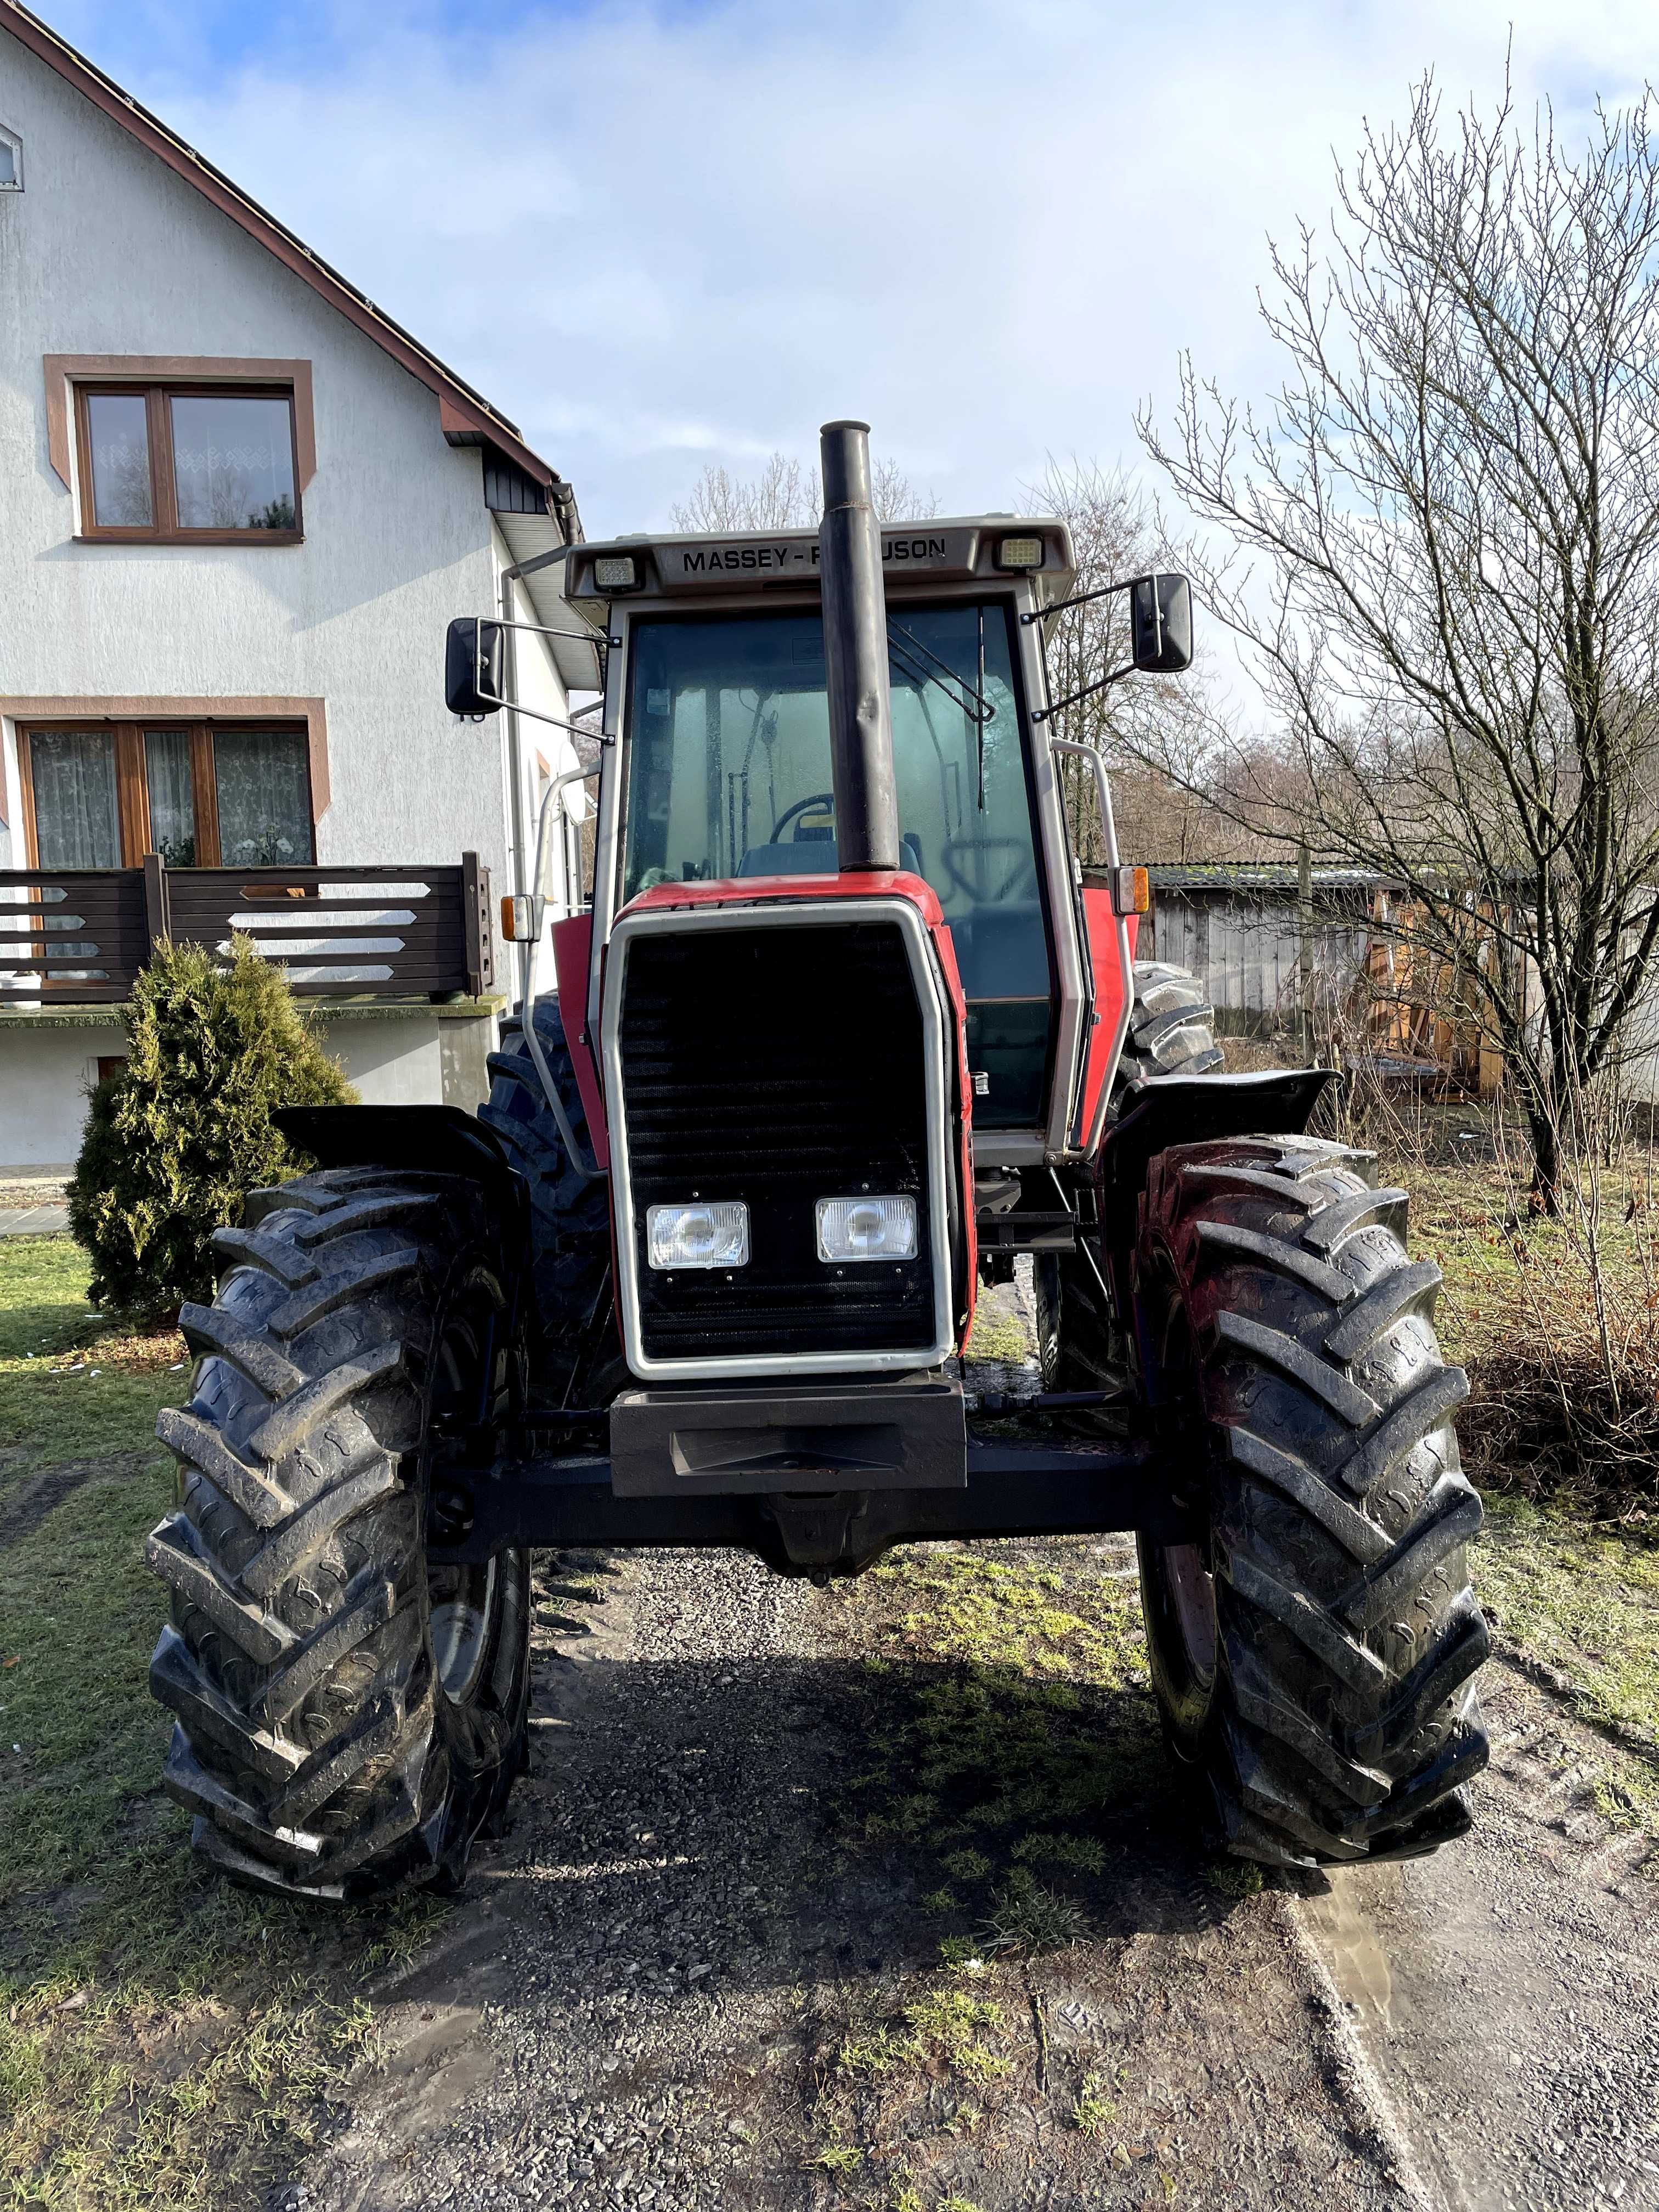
column 913, row 658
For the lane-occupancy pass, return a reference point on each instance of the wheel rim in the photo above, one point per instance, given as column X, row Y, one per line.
column 463, row 1608
column 461, row 1601
column 1188, row 1607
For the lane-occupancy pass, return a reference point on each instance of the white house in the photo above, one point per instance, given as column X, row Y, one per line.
column 240, row 506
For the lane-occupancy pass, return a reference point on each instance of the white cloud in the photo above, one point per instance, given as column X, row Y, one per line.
column 660, row 236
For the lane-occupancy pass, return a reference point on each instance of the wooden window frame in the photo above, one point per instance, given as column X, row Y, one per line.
column 132, row 782
column 164, row 528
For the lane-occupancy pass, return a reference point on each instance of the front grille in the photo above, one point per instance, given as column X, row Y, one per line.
column 778, row 1066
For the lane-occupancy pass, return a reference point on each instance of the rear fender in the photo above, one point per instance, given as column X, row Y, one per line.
column 573, row 944
column 1114, row 997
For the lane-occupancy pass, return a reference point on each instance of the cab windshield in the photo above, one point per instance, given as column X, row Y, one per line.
column 729, row 775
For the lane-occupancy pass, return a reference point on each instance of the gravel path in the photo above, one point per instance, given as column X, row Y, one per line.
column 1506, row 1992
column 640, row 2001
column 635, row 2005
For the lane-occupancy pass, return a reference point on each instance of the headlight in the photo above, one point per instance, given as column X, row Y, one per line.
column 715, row 1236
column 867, row 1228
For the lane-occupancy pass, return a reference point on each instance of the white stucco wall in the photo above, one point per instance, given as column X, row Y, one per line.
column 107, row 252
column 44, row 1077
column 394, row 1058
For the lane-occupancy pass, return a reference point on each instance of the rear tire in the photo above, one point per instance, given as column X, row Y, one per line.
column 1313, row 1656
column 1171, row 1026
column 1079, row 1345
column 349, row 1716
column 570, row 1222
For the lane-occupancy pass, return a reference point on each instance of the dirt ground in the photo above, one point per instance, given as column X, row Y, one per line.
column 666, row 1984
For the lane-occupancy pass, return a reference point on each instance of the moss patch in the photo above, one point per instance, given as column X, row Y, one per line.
column 1009, row 1720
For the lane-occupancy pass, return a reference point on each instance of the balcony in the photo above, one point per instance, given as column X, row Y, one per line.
column 395, row 962
column 399, row 932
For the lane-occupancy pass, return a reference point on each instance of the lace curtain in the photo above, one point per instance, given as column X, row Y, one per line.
column 263, row 780
column 77, row 821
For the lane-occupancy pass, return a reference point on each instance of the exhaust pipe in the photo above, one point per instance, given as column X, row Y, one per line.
column 855, row 655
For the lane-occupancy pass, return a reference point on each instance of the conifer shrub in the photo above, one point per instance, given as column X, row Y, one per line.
column 182, row 1130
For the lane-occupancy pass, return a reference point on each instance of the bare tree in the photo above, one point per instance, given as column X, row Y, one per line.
column 1440, row 548
column 785, row 496
column 1156, row 737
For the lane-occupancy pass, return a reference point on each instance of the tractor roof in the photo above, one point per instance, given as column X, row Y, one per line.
column 719, row 563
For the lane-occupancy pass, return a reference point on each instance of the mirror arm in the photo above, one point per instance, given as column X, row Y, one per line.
column 540, row 630
column 517, row 707
column 1048, row 714
column 1081, row 600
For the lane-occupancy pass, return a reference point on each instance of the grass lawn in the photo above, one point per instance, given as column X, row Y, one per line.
column 165, row 2040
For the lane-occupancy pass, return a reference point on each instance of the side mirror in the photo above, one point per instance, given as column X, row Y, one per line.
column 475, row 666
column 1161, row 623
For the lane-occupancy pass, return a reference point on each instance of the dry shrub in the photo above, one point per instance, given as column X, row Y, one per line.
column 1566, row 1398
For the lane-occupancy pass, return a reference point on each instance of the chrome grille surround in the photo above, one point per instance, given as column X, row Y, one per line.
column 936, row 1018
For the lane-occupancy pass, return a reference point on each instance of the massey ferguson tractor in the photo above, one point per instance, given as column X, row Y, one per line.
column 845, row 1030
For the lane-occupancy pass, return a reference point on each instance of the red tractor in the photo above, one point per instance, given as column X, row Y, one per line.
column 844, row 1030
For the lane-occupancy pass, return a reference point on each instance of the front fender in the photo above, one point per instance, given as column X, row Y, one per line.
column 441, row 1139
column 1163, row 1110
column 426, row 1141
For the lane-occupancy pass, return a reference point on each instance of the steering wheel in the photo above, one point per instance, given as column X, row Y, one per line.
column 792, row 813
column 1024, row 860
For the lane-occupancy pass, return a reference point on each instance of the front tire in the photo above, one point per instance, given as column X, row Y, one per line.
column 349, row 1715
column 569, row 1213
column 1313, row 1657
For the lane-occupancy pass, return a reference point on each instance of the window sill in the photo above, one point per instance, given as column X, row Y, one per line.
column 190, row 538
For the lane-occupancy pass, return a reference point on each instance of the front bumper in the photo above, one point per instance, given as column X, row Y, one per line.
column 901, row 1432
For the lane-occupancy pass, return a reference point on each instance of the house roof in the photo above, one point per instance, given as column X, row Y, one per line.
column 1251, row 876
column 466, row 416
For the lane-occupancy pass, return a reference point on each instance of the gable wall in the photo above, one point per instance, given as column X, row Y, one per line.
column 108, row 252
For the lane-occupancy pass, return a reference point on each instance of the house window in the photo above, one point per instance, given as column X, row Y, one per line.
column 200, row 794
column 188, row 463
column 76, row 810
column 262, row 786
column 11, row 161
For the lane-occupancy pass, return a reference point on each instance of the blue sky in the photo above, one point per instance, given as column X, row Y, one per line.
column 661, row 235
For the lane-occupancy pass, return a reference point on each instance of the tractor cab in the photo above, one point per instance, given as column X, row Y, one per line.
column 723, row 770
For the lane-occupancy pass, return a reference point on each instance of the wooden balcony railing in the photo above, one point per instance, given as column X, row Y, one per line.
column 79, row 936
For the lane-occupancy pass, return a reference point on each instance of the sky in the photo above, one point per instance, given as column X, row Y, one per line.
column 662, row 235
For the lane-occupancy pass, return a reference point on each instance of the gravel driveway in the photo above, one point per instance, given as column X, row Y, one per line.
column 642, row 1997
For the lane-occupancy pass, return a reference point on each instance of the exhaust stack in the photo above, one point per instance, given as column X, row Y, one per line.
column 855, row 655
